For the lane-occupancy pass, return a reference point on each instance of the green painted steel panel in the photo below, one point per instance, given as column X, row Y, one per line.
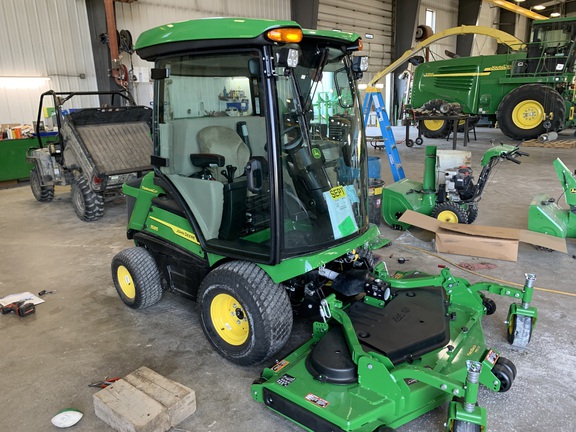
column 13, row 165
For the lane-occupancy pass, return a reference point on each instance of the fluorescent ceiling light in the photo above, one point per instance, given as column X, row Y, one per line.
column 554, row 14
column 539, row 7
column 22, row 82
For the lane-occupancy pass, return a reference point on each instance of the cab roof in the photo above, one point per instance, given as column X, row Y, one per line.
column 190, row 34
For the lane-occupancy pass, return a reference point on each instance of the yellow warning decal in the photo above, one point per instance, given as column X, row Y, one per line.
column 442, row 75
column 178, row 231
column 337, row 192
column 147, row 189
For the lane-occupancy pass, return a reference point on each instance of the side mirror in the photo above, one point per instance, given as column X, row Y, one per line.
column 159, row 73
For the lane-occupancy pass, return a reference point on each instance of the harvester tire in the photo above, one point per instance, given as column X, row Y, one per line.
column 449, row 212
column 521, row 114
column 41, row 193
column 436, row 128
column 244, row 314
column 88, row 205
column 136, row 278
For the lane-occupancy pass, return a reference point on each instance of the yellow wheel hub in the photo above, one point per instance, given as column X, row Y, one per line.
column 126, row 282
column 448, row 216
column 229, row 319
column 434, row 125
column 528, row 114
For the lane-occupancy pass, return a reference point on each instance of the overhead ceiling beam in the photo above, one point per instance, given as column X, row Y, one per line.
column 517, row 9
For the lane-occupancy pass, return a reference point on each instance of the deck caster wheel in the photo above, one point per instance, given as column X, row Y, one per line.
column 508, row 364
column 489, row 305
column 504, row 374
column 464, row 426
column 384, row 429
column 519, row 330
column 419, row 141
column 409, row 143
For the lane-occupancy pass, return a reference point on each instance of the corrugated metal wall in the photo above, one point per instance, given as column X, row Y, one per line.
column 31, row 48
column 144, row 14
column 363, row 16
column 446, row 17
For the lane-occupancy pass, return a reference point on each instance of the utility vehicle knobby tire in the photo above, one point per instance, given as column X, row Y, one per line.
column 136, row 278
column 464, row 426
column 449, row 212
column 519, row 330
column 244, row 314
column 88, row 205
column 41, row 193
column 521, row 113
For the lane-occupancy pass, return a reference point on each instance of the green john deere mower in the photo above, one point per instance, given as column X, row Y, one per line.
column 257, row 209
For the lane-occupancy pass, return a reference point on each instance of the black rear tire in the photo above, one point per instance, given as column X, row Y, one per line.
column 246, row 316
column 521, row 113
column 136, row 278
column 88, row 205
column 41, row 193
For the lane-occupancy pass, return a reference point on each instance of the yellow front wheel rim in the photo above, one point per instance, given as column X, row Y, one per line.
column 126, row 282
column 528, row 114
column 434, row 125
column 448, row 216
column 229, row 319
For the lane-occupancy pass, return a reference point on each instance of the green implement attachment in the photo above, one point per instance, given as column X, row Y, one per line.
column 412, row 343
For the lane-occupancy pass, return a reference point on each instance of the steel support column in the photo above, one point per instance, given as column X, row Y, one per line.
column 468, row 12
column 405, row 23
column 305, row 12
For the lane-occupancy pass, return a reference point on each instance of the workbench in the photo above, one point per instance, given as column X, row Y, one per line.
column 456, row 119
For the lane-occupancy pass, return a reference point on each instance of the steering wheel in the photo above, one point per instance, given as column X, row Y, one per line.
column 294, row 142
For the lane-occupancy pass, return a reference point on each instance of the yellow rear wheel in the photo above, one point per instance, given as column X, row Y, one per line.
column 528, row 114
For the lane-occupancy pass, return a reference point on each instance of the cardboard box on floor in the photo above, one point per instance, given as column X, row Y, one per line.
column 481, row 241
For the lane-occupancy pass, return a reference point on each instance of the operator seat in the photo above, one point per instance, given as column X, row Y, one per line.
column 224, row 141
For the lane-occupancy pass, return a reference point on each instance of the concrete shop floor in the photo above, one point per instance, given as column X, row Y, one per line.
column 83, row 332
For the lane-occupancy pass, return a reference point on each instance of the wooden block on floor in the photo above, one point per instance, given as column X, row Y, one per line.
column 126, row 409
column 144, row 401
column 179, row 400
column 551, row 144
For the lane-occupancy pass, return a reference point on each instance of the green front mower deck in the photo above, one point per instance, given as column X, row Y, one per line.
column 385, row 360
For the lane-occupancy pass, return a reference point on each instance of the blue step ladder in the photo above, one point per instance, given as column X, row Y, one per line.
column 374, row 98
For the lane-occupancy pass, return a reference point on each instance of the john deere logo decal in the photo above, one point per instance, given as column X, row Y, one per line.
column 316, row 153
column 176, row 230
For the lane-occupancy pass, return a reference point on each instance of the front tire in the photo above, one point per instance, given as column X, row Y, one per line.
column 522, row 112
column 88, row 205
column 136, row 278
column 41, row 193
column 246, row 316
